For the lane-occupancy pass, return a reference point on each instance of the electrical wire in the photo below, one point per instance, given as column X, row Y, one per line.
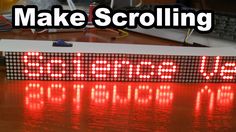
column 111, row 30
column 185, row 39
column 45, row 30
column 112, row 4
column 5, row 25
column 71, row 5
column 4, row 19
column 122, row 34
column 139, row 4
column 188, row 34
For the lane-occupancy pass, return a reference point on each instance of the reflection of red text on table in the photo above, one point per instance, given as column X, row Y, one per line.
column 127, row 106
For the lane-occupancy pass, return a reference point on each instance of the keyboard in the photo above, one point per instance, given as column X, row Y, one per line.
column 225, row 27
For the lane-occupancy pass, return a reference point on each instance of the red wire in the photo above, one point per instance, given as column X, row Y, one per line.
column 6, row 21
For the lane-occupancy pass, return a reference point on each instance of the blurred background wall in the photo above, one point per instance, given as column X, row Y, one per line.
column 5, row 5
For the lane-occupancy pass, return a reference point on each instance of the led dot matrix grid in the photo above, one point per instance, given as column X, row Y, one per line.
column 119, row 67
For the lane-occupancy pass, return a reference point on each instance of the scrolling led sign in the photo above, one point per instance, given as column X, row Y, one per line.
column 119, row 67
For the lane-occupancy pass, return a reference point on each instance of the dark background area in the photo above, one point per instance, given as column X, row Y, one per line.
column 216, row 5
column 219, row 6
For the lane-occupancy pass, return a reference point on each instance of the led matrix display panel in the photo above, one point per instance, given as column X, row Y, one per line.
column 119, row 67
column 39, row 60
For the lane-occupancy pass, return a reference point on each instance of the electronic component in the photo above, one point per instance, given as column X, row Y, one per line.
column 61, row 43
column 118, row 62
